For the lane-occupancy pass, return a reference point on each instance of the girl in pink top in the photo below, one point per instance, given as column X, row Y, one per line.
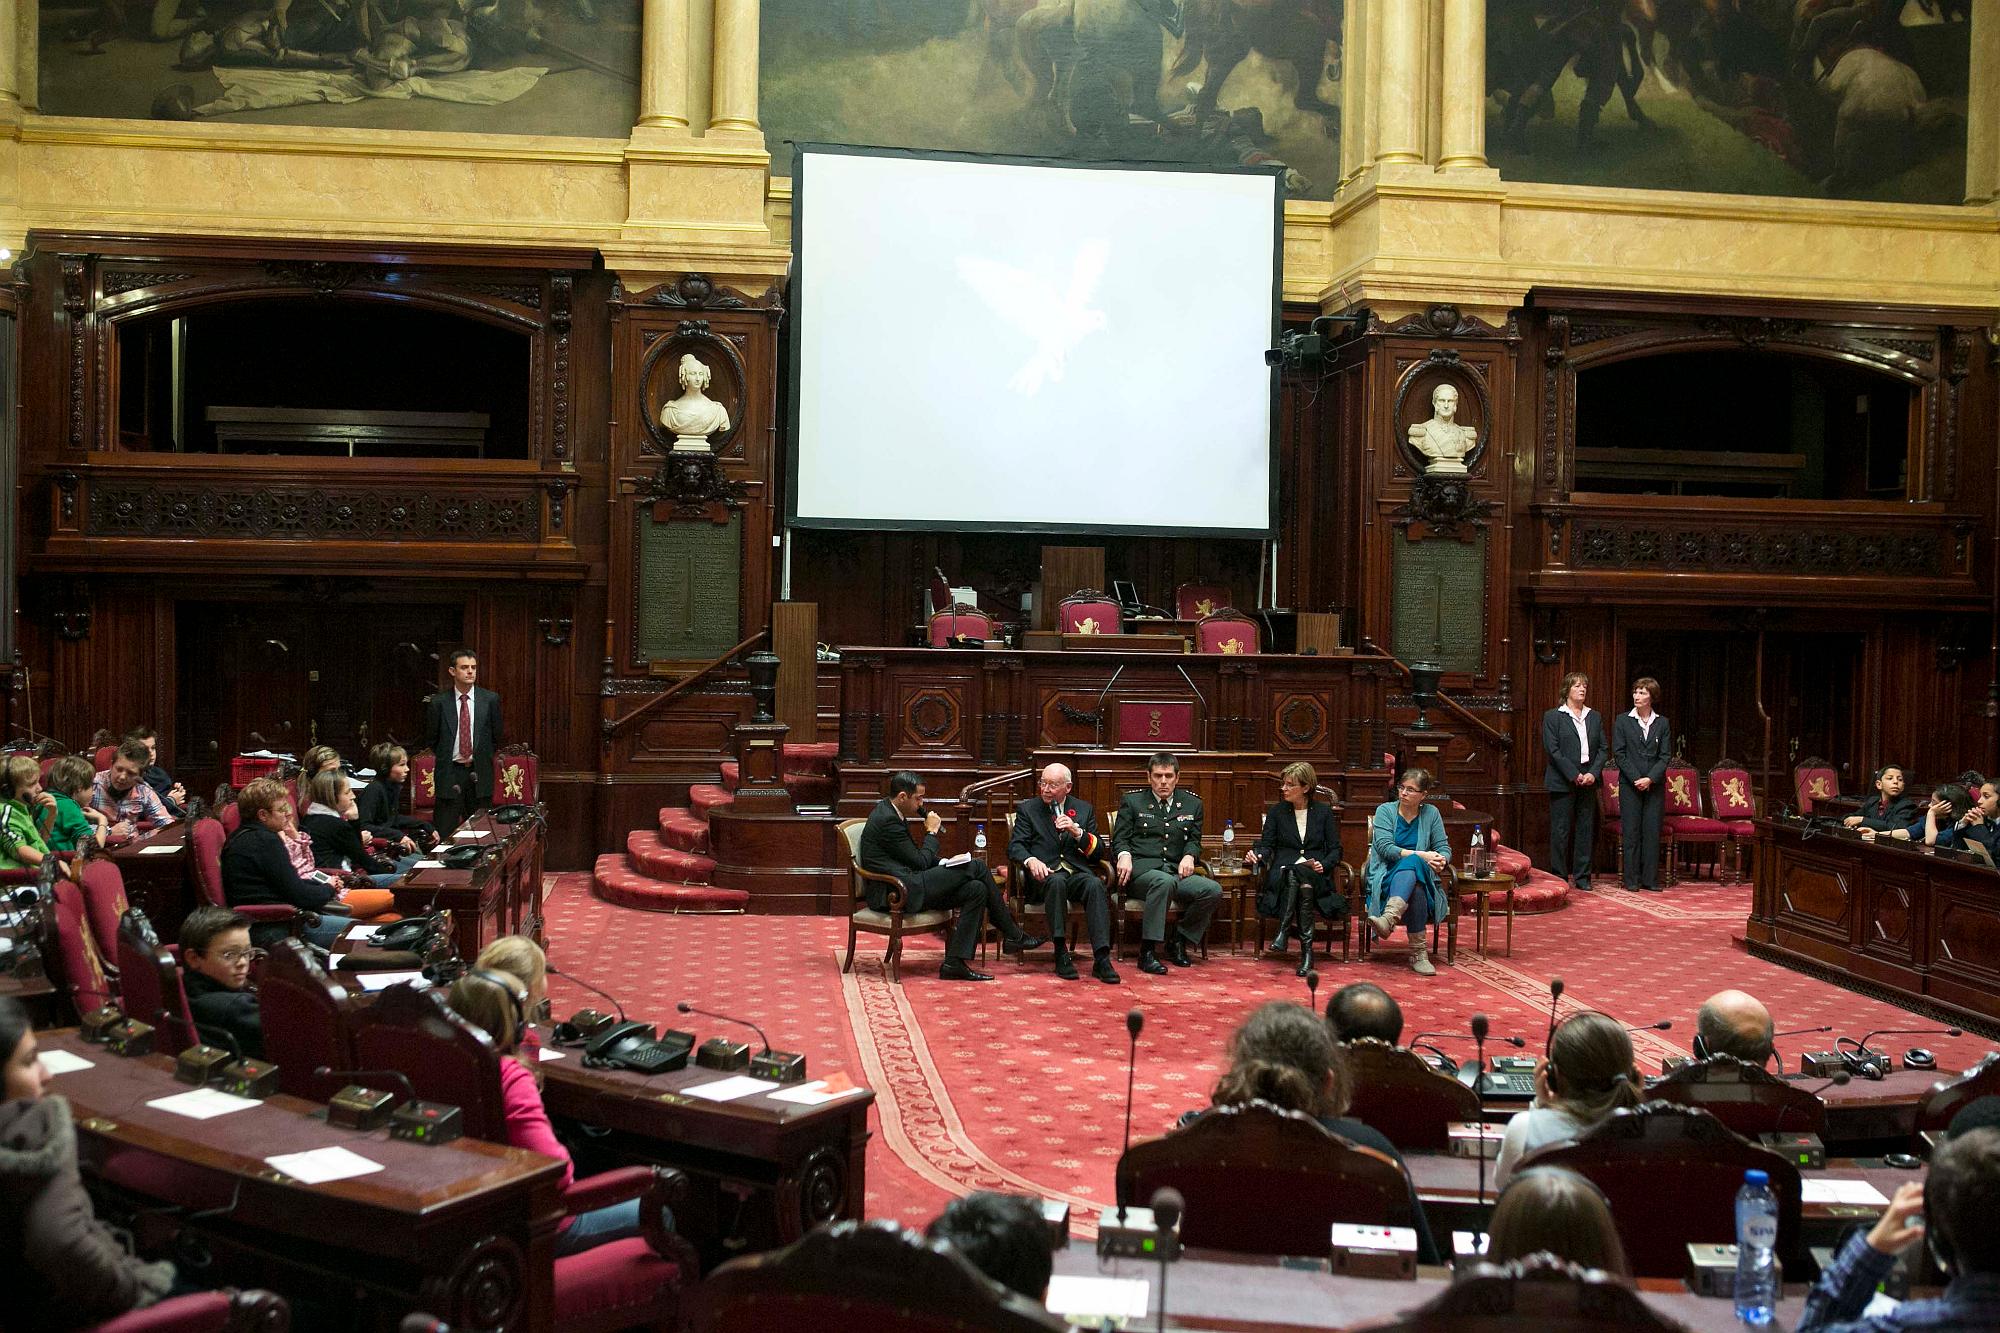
column 497, row 1002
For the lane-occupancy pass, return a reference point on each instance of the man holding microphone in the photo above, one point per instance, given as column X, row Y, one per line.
column 1055, row 840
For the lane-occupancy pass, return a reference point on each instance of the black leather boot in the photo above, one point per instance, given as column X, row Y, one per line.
column 1305, row 932
column 1287, row 909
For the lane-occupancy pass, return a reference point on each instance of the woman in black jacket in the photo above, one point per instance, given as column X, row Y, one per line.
column 257, row 869
column 336, row 835
column 60, row 1267
column 1298, row 849
column 381, row 801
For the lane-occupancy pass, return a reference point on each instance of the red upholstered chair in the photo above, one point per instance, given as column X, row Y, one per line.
column 102, row 759
column 82, row 964
column 423, row 784
column 1747, row 1098
column 1608, row 818
column 623, row 1284
column 1088, row 611
column 104, row 902
column 205, row 841
column 230, row 816
column 224, row 1311
column 1632, row 1153
column 305, row 1020
column 49, row 762
column 1731, row 801
column 1540, row 1292
column 1229, row 632
column 1683, row 826
column 1814, row 779
column 1398, row 1090
column 861, row 1275
column 1196, row 601
column 1231, row 1162
column 1444, row 931
column 959, row 619
column 149, row 984
column 517, row 776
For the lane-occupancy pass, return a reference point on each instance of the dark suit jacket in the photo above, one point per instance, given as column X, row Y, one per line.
column 1035, row 834
column 888, row 849
column 214, row 1005
column 441, row 730
column 1559, row 744
column 1278, row 846
column 1900, row 813
column 1639, row 755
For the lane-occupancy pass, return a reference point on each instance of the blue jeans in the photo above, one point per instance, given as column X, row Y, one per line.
column 618, row 1221
column 329, row 930
column 1407, row 882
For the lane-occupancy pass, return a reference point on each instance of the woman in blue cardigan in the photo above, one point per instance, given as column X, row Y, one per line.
column 1407, row 856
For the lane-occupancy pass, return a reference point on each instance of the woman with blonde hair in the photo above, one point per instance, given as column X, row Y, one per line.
column 1299, row 847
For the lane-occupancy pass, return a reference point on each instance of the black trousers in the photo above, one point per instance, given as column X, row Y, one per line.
column 1572, row 832
column 1064, row 887
column 458, row 796
column 1639, row 814
column 969, row 889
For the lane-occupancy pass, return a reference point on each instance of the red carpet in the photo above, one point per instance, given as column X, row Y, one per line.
column 1020, row 1084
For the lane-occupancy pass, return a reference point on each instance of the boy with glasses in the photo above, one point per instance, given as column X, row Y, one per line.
column 215, row 966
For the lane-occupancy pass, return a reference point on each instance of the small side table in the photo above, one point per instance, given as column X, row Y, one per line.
column 1236, row 882
column 1485, row 888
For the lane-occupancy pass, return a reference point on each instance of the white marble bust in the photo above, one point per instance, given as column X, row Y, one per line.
column 1441, row 439
column 694, row 416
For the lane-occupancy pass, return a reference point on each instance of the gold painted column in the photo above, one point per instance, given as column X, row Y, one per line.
column 1399, row 82
column 663, row 69
column 1982, row 111
column 1462, row 90
column 733, row 95
column 1360, row 34
column 10, row 70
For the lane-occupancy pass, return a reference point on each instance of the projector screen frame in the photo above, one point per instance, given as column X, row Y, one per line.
column 802, row 151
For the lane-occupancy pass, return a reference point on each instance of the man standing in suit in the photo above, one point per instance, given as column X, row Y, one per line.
column 888, row 849
column 1642, row 742
column 463, row 727
column 1157, row 838
column 1055, row 835
column 1573, row 740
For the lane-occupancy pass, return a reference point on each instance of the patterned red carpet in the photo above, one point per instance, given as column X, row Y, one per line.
column 1020, row 1084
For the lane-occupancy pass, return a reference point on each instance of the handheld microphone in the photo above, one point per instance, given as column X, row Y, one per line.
column 1664, row 1025
column 1479, row 1030
column 1135, row 1023
column 1555, row 993
column 604, row 994
column 781, row 1066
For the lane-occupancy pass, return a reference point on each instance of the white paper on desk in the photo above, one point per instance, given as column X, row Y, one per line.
column 384, row 980
column 160, row 849
column 471, row 834
column 323, row 1164
column 202, row 1103
column 1822, row 1190
column 62, row 1062
column 729, row 1089
column 550, row 1053
column 813, row 1094
column 427, row 865
column 959, row 860
column 362, row 932
column 1095, row 1298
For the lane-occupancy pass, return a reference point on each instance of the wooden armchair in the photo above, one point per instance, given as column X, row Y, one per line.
column 1747, row 1098
column 1814, row 779
column 892, row 921
column 149, row 985
column 1090, row 611
column 1398, row 1092
column 1443, row 929
column 1260, row 1180
column 1228, row 631
column 305, row 1021
column 1731, row 801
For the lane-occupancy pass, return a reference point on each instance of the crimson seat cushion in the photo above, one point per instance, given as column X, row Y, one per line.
column 1696, row 827
column 619, row 1275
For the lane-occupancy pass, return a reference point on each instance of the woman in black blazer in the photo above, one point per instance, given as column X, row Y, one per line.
column 1641, row 743
column 1299, row 847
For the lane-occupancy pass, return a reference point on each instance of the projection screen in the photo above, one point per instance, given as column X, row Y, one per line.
column 998, row 344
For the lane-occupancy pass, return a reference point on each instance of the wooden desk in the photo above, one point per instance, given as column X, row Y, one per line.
column 802, row 1165
column 159, row 875
column 500, row 896
column 1921, row 924
column 465, row 1231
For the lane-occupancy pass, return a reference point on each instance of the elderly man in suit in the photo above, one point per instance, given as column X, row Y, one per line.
column 1055, row 840
column 1157, row 839
column 463, row 728
column 1573, row 740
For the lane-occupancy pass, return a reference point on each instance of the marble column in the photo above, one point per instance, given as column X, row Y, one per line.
column 663, row 70
column 1399, row 82
column 10, row 72
column 733, row 95
column 1462, row 90
column 1982, row 127
column 1357, row 102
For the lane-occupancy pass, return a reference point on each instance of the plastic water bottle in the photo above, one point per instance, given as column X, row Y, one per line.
column 1478, row 853
column 1229, row 842
column 1756, row 1249
column 979, row 839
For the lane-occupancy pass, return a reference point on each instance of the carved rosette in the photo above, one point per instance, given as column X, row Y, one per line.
column 485, row 1290
column 822, row 1189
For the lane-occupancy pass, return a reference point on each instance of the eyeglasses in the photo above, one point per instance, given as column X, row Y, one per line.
column 1410, row 791
column 235, row 956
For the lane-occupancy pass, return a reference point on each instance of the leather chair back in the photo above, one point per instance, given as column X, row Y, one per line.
column 959, row 619
column 305, row 1021
column 102, row 759
column 149, row 984
column 1397, row 1092
column 1194, row 601
column 1233, row 1164
column 230, row 815
column 1948, row 1097
column 1749, row 1100
column 206, row 841
column 1229, row 632
column 104, row 902
column 445, row 1058
column 1088, row 611
column 83, row 965
column 1540, row 1292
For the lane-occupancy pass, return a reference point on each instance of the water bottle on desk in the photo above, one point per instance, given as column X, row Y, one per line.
column 1476, row 857
column 1756, row 1249
column 979, row 840
column 1229, row 861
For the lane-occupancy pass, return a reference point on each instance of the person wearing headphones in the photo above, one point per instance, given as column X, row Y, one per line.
column 1953, row 1209
column 497, row 1003
column 1588, row 1074
column 1733, row 1022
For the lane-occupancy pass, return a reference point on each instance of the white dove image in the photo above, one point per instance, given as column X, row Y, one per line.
column 1054, row 321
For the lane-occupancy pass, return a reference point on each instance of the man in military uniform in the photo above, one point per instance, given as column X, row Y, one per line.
column 1157, row 838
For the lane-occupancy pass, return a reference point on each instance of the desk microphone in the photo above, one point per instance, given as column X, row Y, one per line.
column 1479, row 1030
column 1098, row 707
column 1840, row 1079
column 605, row 994
column 1555, row 993
column 1861, row 1060
column 1167, row 1205
column 1312, row 988
column 1664, row 1025
column 687, row 1008
column 1135, row 1023
column 325, row 1072
column 1778, row 1059
column 783, row 1066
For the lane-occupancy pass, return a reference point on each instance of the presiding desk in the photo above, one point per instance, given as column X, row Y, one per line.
column 1919, row 924
column 465, row 1231
column 501, row 895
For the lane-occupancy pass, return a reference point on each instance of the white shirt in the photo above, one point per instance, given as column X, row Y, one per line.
column 1582, row 734
column 1645, row 723
column 1301, row 816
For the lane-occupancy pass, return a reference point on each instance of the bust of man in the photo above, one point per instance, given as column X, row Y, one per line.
column 693, row 416
column 1441, row 439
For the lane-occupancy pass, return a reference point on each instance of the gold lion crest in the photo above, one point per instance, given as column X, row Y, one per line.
column 512, row 780
column 1088, row 625
column 1678, row 785
column 1732, row 788
column 1232, row 645
column 1205, row 607
column 1819, row 787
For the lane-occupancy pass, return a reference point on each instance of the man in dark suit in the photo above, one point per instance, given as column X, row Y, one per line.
column 1889, row 808
column 1642, row 742
column 888, row 849
column 1157, row 838
column 1573, row 740
column 462, row 726
column 1055, row 837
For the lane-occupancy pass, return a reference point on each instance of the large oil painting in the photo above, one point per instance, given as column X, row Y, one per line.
column 1844, row 99
column 1214, row 82
column 561, row 67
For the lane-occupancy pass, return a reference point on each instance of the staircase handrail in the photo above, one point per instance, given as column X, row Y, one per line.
column 1498, row 737
column 681, row 686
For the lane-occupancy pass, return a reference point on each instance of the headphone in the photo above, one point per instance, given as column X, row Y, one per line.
column 517, row 999
column 1701, row 1051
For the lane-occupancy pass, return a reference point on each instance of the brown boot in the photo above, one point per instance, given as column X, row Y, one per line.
column 1420, row 959
column 1391, row 914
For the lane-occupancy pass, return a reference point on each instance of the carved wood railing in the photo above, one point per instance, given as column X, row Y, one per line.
column 1453, row 706
column 613, row 726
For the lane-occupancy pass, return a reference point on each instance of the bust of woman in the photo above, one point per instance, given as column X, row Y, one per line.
column 694, row 416
column 1441, row 439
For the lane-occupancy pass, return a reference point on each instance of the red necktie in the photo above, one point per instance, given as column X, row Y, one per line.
column 464, row 755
